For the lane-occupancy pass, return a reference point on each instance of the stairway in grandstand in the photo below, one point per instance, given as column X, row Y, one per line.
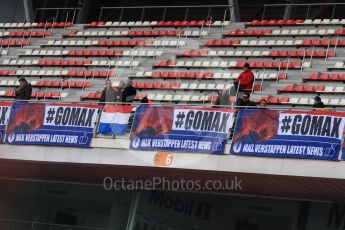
column 177, row 61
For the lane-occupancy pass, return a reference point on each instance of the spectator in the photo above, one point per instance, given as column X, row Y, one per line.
column 118, row 94
column 245, row 80
column 223, row 98
column 128, row 93
column 244, row 101
column 318, row 103
column 23, row 92
column 108, row 93
column 144, row 99
column 263, row 103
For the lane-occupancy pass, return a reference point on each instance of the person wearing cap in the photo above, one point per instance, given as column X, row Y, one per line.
column 245, row 101
column 318, row 103
column 245, row 80
column 24, row 90
column 128, row 93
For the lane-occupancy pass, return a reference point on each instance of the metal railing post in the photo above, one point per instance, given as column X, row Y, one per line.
column 100, row 14
column 121, row 14
column 186, row 14
column 164, row 13
column 306, row 17
column 73, row 16
column 64, row 27
column 279, row 68
column 304, row 56
column 263, row 13
column 336, row 44
column 286, row 69
column 311, row 56
column 142, row 15
column 328, row 45
column 224, row 17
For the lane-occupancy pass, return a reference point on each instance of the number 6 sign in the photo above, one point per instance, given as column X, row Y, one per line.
column 163, row 159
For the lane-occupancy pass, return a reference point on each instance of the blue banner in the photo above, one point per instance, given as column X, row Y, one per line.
column 186, row 129
column 292, row 134
column 51, row 124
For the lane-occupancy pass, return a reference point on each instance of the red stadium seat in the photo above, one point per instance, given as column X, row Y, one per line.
column 319, row 88
column 56, row 83
column 334, row 77
column 149, row 85
column 172, row 74
column 55, row 94
column 156, row 74
column 284, row 100
column 273, row 100
column 323, row 76
column 48, row 95
column 288, row 89
column 157, row 85
column 307, row 89
column 314, row 76
column 165, row 75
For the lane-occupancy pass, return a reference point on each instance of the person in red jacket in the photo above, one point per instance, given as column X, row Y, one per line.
column 245, row 80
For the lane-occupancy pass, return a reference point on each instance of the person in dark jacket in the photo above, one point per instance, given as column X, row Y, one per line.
column 23, row 92
column 244, row 101
column 144, row 99
column 128, row 93
column 318, row 103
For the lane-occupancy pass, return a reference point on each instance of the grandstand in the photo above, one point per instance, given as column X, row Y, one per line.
column 248, row 168
column 176, row 61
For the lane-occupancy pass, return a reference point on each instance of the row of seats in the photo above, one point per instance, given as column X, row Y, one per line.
column 325, row 77
column 115, row 43
column 339, row 65
column 206, row 75
column 38, row 94
column 156, row 85
column 232, row 64
column 183, row 86
column 277, row 32
column 301, row 89
column 302, row 101
column 296, row 22
column 159, row 97
column 64, row 73
column 133, row 33
column 302, row 53
column 92, row 53
column 275, row 100
column 50, row 84
column 64, row 62
column 199, row 23
column 286, row 42
column 91, row 73
column 256, row 53
column 14, row 43
column 25, row 34
column 36, row 25
column 264, row 22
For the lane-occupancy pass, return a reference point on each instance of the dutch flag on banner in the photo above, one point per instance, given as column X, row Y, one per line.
column 114, row 119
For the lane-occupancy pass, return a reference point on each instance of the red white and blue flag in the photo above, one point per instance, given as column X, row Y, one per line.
column 114, row 119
